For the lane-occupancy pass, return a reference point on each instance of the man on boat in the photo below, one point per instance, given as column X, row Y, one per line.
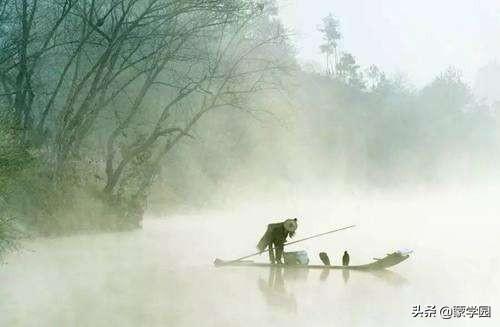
column 275, row 238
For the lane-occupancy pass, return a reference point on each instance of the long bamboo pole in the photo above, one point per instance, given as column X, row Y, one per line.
column 297, row 241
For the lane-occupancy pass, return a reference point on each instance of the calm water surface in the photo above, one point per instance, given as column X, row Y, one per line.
column 163, row 275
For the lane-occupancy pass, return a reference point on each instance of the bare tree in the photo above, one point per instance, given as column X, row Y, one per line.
column 124, row 81
column 219, row 72
column 23, row 48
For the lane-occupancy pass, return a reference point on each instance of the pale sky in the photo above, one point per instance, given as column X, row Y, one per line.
column 419, row 38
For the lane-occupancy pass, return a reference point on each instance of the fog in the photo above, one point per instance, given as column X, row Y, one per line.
column 136, row 151
column 415, row 38
column 163, row 275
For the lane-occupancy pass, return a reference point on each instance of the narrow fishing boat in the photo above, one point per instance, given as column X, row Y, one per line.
column 299, row 259
column 391, row 259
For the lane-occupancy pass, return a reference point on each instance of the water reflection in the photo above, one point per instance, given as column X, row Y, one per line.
column 277, row 295
column 346, row 274
column 295, row 274
column 274, row 290
column 390, row 277
column 324, row 274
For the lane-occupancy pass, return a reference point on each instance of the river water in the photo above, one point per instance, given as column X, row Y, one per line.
column 163, row 274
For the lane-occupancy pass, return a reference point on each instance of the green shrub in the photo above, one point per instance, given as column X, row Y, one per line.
column 7, row 236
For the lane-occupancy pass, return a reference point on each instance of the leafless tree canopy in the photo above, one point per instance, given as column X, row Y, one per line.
column 118, row 83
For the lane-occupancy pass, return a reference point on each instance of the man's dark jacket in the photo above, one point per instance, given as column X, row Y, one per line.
column 275, row 234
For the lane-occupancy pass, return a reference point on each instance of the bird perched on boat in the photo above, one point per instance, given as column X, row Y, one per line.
column 275, row 237
column 345, row 259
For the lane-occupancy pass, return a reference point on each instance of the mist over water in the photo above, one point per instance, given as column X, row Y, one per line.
column 163, row 274
column 194, row 124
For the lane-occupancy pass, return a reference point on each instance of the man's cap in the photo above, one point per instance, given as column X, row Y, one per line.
column 290, row 224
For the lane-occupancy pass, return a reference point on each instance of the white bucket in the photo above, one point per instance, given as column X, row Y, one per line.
column 296, row 258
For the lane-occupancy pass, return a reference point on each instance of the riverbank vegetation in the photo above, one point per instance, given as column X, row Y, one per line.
column 95, row 94
column 110, row 108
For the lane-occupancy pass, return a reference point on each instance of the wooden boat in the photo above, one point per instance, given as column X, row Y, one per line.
column 391, row 259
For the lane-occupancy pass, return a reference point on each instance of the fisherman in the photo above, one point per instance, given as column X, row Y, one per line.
column 345, row 259
column 275, row 238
